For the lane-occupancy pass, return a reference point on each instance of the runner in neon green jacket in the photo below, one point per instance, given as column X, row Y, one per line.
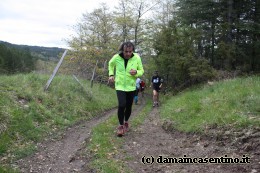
column 124, row 68
column 124, row 81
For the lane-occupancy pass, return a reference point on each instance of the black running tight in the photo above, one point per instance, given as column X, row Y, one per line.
column 125, row 102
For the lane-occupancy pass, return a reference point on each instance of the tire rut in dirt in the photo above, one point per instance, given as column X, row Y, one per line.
column 61, row 156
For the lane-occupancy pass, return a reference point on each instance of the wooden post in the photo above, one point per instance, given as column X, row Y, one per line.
column 55, row 71
column 93, row 74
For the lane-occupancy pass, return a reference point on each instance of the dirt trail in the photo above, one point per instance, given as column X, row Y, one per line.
column 151, row 139
column 61, row 156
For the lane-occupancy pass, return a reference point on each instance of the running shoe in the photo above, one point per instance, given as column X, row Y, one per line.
column 126, row 126
column 120, row 131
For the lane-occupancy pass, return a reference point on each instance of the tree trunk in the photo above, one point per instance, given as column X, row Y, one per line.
column 229, row 20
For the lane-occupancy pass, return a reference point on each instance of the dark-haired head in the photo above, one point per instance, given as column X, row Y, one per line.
column 127, row 49
column 126, row 44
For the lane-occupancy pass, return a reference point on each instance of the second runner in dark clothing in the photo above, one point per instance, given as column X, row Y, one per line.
column 156, row 83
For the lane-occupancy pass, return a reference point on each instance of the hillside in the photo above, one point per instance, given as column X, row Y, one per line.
column 228, row 105
column 28, row 113
column 45, row 53
column 206, row 121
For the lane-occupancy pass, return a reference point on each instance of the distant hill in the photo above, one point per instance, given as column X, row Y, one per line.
column 45, row 53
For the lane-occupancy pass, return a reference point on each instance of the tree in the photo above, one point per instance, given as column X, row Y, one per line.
column 95, row 39
column 123, row 20
column 13, row 60
column 220, row 22
column 176, row 58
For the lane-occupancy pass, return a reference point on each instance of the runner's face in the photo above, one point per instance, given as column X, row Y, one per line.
column 128, row 51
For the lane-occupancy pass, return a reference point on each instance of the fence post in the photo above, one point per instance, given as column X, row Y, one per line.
column 93, row 74
column 55, row 71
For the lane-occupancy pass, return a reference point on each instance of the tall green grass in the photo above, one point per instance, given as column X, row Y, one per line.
column 232, row 103
column 28, row 114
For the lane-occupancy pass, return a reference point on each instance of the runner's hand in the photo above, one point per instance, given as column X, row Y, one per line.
column 111, row 79
column 133, row 72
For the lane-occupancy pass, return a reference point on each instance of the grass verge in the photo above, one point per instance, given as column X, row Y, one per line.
column 232, row 103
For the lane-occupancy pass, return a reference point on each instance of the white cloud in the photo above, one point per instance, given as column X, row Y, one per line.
column 42, row 22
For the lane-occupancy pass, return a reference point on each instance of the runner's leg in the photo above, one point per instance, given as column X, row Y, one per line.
column 154, row 97
column 129, row 103
column 121, row 96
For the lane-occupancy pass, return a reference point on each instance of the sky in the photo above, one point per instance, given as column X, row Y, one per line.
column 45, row 23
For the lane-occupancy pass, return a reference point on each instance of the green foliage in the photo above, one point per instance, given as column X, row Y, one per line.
column 228, row 31
column 13, row 60
column 176, row 58
column 94, row 43
column 28, row 114
column 7, row 170
column 100, row 33
column 234, row 103
column 226, row 56
column 44, row 53
column 23, row 59
column 203, row 35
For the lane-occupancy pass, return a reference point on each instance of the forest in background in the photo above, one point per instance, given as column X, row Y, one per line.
column 16, row 58
column 187, row 41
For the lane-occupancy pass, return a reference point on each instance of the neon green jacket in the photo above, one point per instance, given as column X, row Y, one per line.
column 124, row 81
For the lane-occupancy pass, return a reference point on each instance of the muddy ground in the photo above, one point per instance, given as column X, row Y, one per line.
column 154, row 141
